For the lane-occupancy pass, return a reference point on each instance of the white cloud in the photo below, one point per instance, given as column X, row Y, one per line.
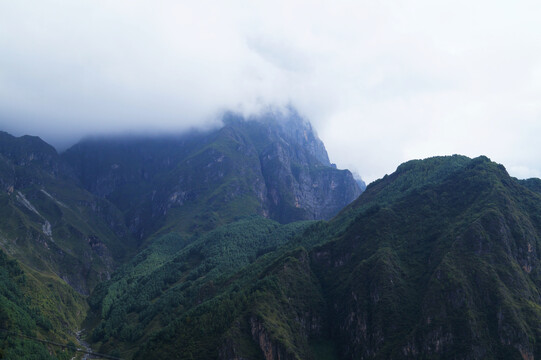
column 382, row 82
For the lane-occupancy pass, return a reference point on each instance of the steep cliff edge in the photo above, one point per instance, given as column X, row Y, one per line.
column 273, row 165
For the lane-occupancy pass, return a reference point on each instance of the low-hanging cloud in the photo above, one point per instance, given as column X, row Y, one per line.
column 382, row 82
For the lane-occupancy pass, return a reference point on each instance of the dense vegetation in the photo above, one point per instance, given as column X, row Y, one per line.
column 20, row 316
column 438, row 260
column 78, row 217
column 165, row 280
column 448, row 270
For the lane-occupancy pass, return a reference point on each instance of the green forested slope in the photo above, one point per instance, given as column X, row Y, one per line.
column 449, row 270
column 439, row 260
column 29, row 307
column 164, row 284
column 61, row 241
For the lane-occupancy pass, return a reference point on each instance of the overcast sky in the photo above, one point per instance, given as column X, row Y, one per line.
column 381, row 81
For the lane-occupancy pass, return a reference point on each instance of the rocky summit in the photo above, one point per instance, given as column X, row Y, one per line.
column 273, row 165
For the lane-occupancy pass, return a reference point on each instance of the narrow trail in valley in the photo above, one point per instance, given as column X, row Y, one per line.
column 84, row 345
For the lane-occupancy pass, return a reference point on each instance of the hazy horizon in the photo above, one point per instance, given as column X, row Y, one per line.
column 382, row 83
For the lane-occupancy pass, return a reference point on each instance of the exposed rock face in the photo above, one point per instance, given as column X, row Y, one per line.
column 273, row 165
column 299, row 181
column 271, row 349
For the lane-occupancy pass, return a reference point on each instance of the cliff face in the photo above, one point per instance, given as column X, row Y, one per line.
column 273, row 165
column 299, row 181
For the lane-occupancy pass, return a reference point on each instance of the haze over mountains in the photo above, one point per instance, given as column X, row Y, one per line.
column 246, row 242
column 164, row 193
column 390, row 79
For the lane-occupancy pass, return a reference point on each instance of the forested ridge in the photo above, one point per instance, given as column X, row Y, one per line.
column 222, row 245
column 438, row 260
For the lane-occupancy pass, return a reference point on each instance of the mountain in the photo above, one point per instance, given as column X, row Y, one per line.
column 449, row 268
column 438, row 260
column 533, row 184
column 49, row 222
column 112, row 209
column 273, row 165
column 29, row 308
column 245, row 242
column 57, row 241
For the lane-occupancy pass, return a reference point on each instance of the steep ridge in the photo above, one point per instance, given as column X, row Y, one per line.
column 439, row 260
column 533, row 184
column 57, row 241
column 450, row 269
column 274, row 166
column 49, row 222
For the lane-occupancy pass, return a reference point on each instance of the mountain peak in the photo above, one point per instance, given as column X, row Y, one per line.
column 288, row 125
column 272, row 165
column 25, row 149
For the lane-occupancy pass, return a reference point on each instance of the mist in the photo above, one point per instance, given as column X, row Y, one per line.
column 381, row 82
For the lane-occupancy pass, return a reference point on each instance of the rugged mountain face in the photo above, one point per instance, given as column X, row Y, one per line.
column 448, row 269
column 274, row 166
column 59, row 234
column 439, row 260
column 184, row 204
column 49, row 222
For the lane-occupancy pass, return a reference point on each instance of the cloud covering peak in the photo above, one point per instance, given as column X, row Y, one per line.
column 382, row 82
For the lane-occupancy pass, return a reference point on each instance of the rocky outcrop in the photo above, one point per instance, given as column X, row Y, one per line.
column 298, row 188
column 273, row 165
column 272, row 350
